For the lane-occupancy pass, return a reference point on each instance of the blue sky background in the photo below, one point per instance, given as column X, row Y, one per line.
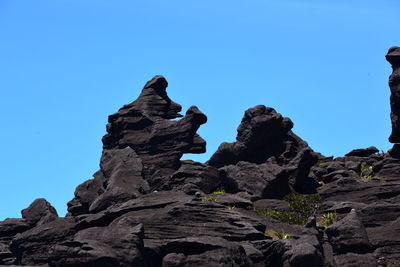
column 65, row 65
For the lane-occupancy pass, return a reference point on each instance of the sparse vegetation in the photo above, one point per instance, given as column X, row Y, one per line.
column 394, row 264
column 209, row 199
column 301, row 208
column 219, row 192
column 283, row 216
column 277, row 235
column 366, row 173
column 305, row 205
column 322, row 164
column 327, row 219
column 231, row 207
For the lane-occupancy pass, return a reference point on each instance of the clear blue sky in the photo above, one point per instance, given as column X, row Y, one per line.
column 65, row 65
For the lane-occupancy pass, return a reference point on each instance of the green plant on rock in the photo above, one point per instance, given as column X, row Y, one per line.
column 301, row 208
column 327, row 219
column 283, row 216
column 366, row 173
column 322, row 164
column 209, row 199
column 305, row 205
column 231, row 207
column 277, row 235
column 219, row 192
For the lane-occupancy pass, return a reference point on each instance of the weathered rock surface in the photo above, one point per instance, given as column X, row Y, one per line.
column 393, row 56
column 146, row 207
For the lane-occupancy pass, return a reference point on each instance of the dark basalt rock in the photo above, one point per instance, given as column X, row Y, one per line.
column 262, row 134
column 363, row 152
column 349, row 235
column 145, row 126
column 39, row 212
column 393, row 56
column 146, row 207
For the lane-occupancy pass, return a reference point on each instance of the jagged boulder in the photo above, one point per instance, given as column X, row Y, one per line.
column 39, row 212
column 142, row 150
column 363, row 152
column 145, row 125
column 349, row 235
column 393, row 56
column 263, row 133
column 267, row 160
column 146, row 207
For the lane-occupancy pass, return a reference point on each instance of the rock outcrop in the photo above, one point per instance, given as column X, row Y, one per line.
column 393, row 56
column 266, row 199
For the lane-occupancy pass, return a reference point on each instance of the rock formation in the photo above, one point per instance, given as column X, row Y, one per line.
column 266, row 199
column 393, row 56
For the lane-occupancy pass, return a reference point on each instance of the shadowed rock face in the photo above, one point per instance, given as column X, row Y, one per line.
column 145, row 126
column 142, row 149
column 146, row 207
column 262, row 134
column 393, row 56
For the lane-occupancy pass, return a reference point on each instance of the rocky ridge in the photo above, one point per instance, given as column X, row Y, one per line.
column 266, row 199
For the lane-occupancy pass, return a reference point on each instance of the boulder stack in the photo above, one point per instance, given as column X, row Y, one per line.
column 266, row 199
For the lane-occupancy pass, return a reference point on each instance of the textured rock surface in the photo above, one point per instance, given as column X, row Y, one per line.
column 393, row 56
column 146, row 207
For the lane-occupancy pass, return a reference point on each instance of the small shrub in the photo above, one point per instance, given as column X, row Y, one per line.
column 322, row 164
column 301, row 208
column 219, row 192
column 328, row 219
column 305, row 205
column 366, row 173
column 283, row 216
column 209, row 199
column 394, row 264
column 278, row 235
column 367, row 178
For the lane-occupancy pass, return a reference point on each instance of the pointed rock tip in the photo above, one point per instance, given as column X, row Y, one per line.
column 158, row 82
column 393, row 55
column 394, row 50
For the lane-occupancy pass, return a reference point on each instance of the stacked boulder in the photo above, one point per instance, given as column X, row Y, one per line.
column 266, row 199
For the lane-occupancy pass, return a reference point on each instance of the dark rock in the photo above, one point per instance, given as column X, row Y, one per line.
column 393, row 56
column 263, row 133
column 348, row 235
column 363, row 152
column 145, row 126
column 200, row 251
column 386, row 240
column 273, row 204
column 120, row 179
column 146, row 207
column 12, row 226
column 273, row 251
column 304, row 255
column 39, row 212
column 122, row 170
column 85, row 194
column 395, row 151
column 33, row 246
column 266, row 180
column 119, row 244
column 201, row 176
column 355, row 260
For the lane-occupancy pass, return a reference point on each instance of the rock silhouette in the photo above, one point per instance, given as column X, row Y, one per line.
column 393, row 56
column 266, row 199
